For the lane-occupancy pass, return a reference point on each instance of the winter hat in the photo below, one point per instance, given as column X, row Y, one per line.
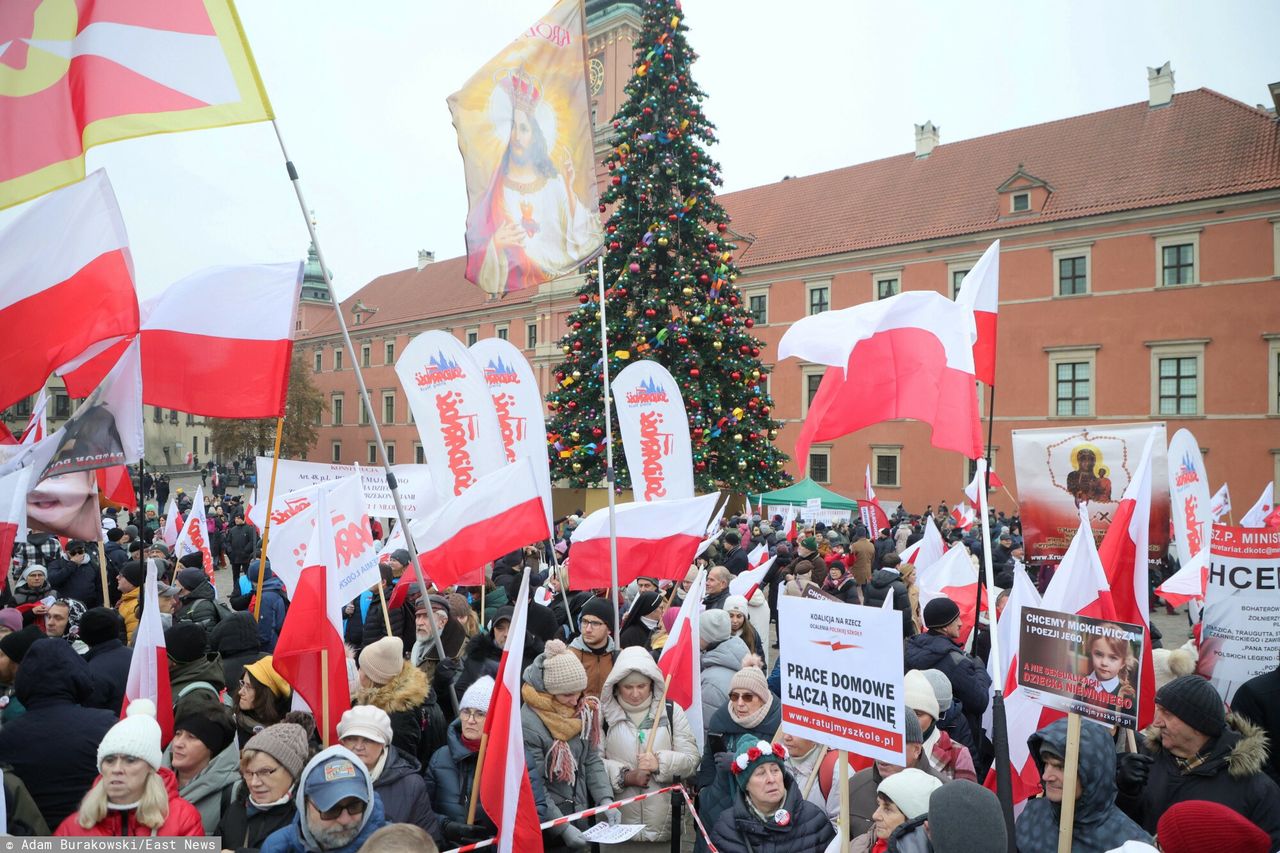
column 1172, row 663
column 401, row 556
column 100, row 624
column 752, row 753
column 235, row 635
column 478, row 695
column 366, row 721
column 11, row 618
column 1196, row 825
column 1194, row 700
column 186, row 641
column 192, row 576
column 135, row 573
column 34, row 567
column 137, row 735
column 157, row 545
column 15, row 645
column 213, row 728
column 912, row 733
column 809, row 543
column 941, row 688
column 965, row 817
column 751, row 678
column 940, row 613
column 265, row 671
column 286, row 743
column 735, row 604
column 600, row 609
column 918, row 693
column 382, row 661
column 503, row 614
column 458, row 607
column 713, row 626
column 562, row 672
column 909, row 790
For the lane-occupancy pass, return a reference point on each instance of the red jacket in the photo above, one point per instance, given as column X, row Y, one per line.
column 183, row 819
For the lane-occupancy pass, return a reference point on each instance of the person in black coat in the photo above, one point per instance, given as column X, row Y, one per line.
column 484, row 651
column 1258, row 701
column 101, row 629
column 735, row 557
column 768, row 815
column 53, row 747
column 236, row 639
column 887, row 583
column 270, row 764
column 937, row 649
column 240, row 543
column 635, row 631
column 75, row 575
column 402, row 619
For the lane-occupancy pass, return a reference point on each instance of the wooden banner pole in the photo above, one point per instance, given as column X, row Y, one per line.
column 1070, row 770
column 475, row 780
column 842, row 775
column 653, row 730
column 324, row 700
column 266, row 525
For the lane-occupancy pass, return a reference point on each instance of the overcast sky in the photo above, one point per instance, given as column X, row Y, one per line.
column 795, row 88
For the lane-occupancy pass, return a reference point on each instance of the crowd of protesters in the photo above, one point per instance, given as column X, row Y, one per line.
column 598, row 727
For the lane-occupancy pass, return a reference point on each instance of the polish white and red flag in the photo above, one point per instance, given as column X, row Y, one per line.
column 38, row 424
column 499, row 513
column 963, row 516
column 953, row 577
column 980, row 293
column 908, row 356
column 1260, row 514
column 149, row 666
column 66, row 281
column 681, row 656
column 1220, row 504
column 971, row 490
column 172, row 523
column 13, row 512
column 758, row 565
column 928, row 549
column 657, row 539
column 193, row 537
column 1124, row 555
column 506, row 795
column 216, row 344
column 874, row 518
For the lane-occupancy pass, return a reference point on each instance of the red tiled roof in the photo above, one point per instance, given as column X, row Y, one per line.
column 1203, row 145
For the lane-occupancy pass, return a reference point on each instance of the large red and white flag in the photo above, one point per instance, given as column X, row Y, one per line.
column 505, row 791
column 502, row 512
column 13, row 514
column 1220, row 503
column 1262, row 508
column 748, row 581
column 963, row 516
column 1123, row 554
column 953, row 577
column 38, row 424
column 908, row 356
column 82, row 74
column 172, row 523
column 657, row 539
column 681, row 656
column 217, row 343
column 980, row 293
column 874, row 518
column 971, row 490
column 928, row 549
column 193, row 537
column 115, row 487
column 149, row 666
column 65, row 256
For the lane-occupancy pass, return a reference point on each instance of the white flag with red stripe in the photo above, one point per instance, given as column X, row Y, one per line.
column 747, row 582
column 656, row 539
column 38, row 424
column 758, row 555
column 927, row 550
column 194, row 536
column 13, row 513
column 149, row 665
column 1261, row 509
column 980, row 293
column 172, row 523
column 962, row 515
column 971, row 490
column 1220, row 503
column 681, row 656
column 505, row 791
column 952, row 577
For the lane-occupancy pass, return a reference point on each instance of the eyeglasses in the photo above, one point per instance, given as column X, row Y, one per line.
column 590, row 623
column 263, row 775
column 743, row 697
column 471, row 714
column 355, row 808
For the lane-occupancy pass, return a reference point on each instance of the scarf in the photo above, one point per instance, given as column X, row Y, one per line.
column 641, row 716
column 564, row 724
column 251, row 807
column 755, row 718
column 473, row 745
column 380, row 765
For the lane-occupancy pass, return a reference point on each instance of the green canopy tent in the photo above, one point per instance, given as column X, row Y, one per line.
column 799, row 494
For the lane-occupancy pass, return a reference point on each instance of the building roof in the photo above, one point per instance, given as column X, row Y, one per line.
column 1202, row 145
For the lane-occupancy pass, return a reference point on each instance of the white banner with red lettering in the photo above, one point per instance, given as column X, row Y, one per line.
column 412, row 481
column 1190, row 504
column 518, row 404
column 461, row 438
column 194, row 536
column 655, row 432
column 1241, row 629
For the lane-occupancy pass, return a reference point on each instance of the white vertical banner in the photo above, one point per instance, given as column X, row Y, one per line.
column 655, row 432
column 461, row 438
column 518, row 404
column 1190, row 503
column 194, row 535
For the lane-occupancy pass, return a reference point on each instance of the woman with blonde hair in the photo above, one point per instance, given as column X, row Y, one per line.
column 136, row 794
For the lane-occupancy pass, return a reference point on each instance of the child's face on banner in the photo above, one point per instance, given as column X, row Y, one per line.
column 1106, row 661
column 65, row 506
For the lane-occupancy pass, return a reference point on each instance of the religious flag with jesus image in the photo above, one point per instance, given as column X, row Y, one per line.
column 78, row 74
column 524, row 130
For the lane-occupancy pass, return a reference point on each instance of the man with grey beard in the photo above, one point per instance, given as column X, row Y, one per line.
column 337, row 808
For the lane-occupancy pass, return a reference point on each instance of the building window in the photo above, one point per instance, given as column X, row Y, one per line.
column 1072, row 372
column 22, row 408
column 419, row 456
column 812, row 378
column 61, row 406
column 389, row 407
column 1273, row 373
column 957, row 279
column 389, row 352
column 758, row 308
column 473, row 335
column 501, row 332
column 885, row 466
column 297, row 325
column 157, row 415
column 337, row 359
column 173, row 416
column 1020, row 203
column 887, row 285
column 191, row 420
column 819, row 466
column 206, row 445
column 530, row 335
column 337, row 451
column 391, row 453
column 364, row 412
column 319, row 358
column 373, row 453
column 1072, row 280
column 819, row 298
column 1177, row 371
column 366, row 355
column 195, row 445
column 1178, row 259
column 336, row 411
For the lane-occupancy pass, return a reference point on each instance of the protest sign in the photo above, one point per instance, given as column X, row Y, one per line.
column 1241, row 607
column 1081, row 665
column 655, row 432
column 1190, row 505
column 842, row 676
column 1062, row 468
column 812, row 505
column 812, row 516
column 815, row 592
column 412, row 481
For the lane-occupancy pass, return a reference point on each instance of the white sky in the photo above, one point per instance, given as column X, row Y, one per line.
column 794, row 87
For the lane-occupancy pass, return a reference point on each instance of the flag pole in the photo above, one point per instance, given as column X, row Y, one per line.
column 608, row 448
column 475, row 780
column 324, row 693
column 364, row 393
column 999, row 722
column 561, row 581
column 102, row 549
column 266, row 525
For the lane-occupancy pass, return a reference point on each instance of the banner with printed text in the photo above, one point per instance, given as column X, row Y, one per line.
column 1190, row 507
column 1060, row 469
column 1241, row 607
column 412, row 481
column 655, row 432
column 842, row 673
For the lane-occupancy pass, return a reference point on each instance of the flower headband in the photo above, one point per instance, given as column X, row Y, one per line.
column 762, row 748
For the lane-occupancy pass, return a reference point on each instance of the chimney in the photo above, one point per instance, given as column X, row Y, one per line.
column 425, row 257
column 1160, row 83
column 926, row 139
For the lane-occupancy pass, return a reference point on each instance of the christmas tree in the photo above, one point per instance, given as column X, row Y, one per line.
column 669, row 287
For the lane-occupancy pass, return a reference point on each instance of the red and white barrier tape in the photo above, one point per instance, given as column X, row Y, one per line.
column 592, row 812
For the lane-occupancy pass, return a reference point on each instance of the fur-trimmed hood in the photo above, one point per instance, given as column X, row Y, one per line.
column 1242, row 748
column 406, row 691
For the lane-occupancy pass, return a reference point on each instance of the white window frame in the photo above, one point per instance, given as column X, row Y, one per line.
column 502, row 332
column 885, row 275
column 366, row 355
column 1062, row 254
column 419, row 455
column 389, row 358
column 391, row 452
column 1275, row 247
column 365, row 415
column 1177, row 349
column 747, row 294
column 1273, row 365
column 823, row 450
column 470, row 336
column 1178, row 239
column 530, row 340
column 318, row 366
column 1013, row 201
column 809, row 287
column 340, row 402
column 337, row 358
column 335, row 451
column 805, row 372
column 372, row 454
column 389, row 395
column 1072, row 355
column 886, row 450
column 954, row 267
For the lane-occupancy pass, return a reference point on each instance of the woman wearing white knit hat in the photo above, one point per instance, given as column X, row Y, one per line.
column 136, row 794
column 902, row 805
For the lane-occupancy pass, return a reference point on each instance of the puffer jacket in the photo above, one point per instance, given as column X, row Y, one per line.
column 210, row 790
column 1232, row 774
column 404, row 794
column 297, row 838
column 244, row 826
column 182, row 821
column 1099, row 825
column 719, row 664
column 673, row 744
column 590, row 783
column 908, row 837
column 404, row 699
column 198, row 607
column 127, row 607
column 481, row 658
column 969, row 678
column 717, row 788
column 740, row 830
column 888, row 583
column 236, row 639
column 207, row 668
